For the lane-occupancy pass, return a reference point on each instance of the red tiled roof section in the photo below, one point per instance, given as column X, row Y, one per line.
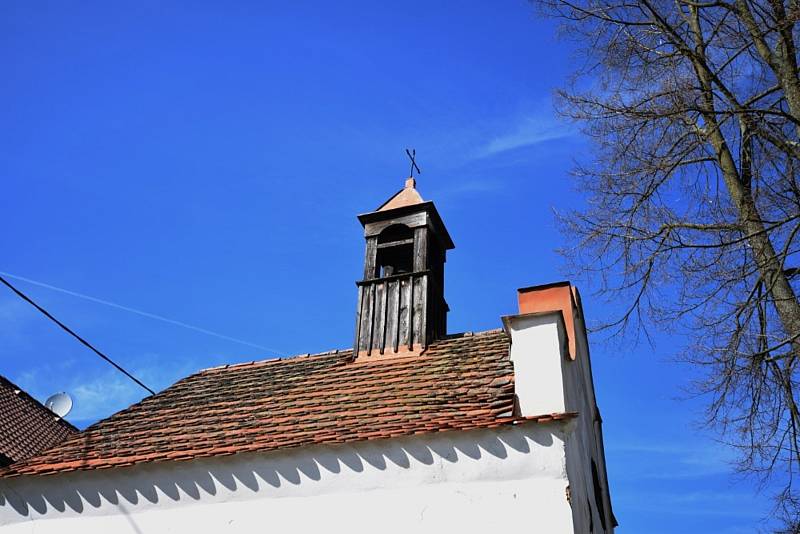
column 461, row 382
column 27, row 427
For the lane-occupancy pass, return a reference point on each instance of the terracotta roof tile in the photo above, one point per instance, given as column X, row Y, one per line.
column 27, row 427
column 460, row 382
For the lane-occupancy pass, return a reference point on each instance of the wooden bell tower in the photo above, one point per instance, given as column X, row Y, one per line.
column 401, row 305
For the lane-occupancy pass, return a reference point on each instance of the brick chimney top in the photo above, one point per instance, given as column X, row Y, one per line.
column 558, row 296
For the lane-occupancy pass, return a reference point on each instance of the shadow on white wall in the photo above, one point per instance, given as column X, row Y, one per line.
column 303, row 471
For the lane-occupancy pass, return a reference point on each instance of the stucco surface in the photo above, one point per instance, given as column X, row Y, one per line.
column 547, row 379
column 443, row 482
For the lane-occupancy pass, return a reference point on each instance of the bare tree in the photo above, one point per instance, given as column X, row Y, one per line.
column 694, row 213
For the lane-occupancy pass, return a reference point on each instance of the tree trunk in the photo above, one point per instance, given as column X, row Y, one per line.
column 769, row 266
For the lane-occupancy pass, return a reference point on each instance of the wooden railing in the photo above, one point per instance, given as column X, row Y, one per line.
column 392, row 314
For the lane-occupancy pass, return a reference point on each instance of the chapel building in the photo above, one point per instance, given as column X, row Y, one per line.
column 412, row 429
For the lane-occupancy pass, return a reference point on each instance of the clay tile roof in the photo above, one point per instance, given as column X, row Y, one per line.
column 461, row 382
column 26, row 427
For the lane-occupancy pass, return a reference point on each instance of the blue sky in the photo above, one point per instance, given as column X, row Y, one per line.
column 204, row 163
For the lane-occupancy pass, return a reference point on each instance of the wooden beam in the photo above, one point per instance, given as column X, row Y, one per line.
column 408, row 241
column 420, row 249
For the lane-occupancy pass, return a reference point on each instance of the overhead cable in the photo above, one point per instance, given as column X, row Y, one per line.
column 67, row 329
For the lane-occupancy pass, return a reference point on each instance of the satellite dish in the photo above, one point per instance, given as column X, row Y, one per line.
column 60, row 404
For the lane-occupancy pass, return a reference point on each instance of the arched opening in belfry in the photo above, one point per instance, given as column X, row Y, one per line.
column 395, row 251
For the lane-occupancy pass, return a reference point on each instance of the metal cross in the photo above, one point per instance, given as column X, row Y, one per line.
column 411, row 155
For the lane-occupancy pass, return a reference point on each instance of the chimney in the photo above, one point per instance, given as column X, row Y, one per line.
column 558, row 296
column 543, row 343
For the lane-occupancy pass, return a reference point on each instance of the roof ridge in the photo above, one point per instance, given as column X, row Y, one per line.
column 271, row 361
column 470, row 333
column 308, row 355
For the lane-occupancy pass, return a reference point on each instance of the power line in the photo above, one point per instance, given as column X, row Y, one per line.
column 139, row 312
column 67, row 329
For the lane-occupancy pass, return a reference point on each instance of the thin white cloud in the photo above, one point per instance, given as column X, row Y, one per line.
column 665, row 463
column 740, row 504
column 99, row 394
column 530, row 130
column 16, row 317
column 137, row 312
column 12, row 310
column 96, row 398
column 646, row 460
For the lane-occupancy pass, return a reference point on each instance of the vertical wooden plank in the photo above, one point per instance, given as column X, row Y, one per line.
column 356, row 344
column 379, row 321
column 365, row 342
column 443, row 323
column 392, row 312
column 404, row 324
column 396, row 338
column 373, row 311
column 418, row 328
column 426, row 308
column 420, row 249
column 362, row 325
column 412, row 313
column 370, row 257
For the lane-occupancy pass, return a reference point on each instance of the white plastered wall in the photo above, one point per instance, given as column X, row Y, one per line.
column 587, row 442
column 548, row 381
column 538, row 344
column 511, row 479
